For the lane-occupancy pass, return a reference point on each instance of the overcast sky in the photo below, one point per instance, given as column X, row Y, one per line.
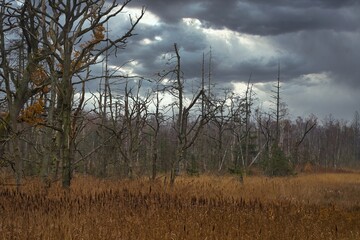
column 316, row 42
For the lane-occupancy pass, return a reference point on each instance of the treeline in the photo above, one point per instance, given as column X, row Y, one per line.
column 133, row 144
column 52, row 126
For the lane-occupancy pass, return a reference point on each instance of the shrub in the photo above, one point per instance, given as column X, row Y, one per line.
column 278, row 164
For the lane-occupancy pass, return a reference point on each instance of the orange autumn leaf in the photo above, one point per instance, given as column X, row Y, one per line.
column 38, row 76
column 78, row 60
column 33, row 113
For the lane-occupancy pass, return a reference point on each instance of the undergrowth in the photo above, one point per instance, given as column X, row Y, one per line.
column 319, row 206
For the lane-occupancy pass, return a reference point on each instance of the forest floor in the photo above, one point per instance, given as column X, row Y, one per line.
column 311, row 206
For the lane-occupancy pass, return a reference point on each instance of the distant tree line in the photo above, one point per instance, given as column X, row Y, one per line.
column 53, row 127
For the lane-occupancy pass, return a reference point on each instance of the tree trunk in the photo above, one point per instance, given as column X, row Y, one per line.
column 67, row 138
column 154, row 157
column 67, row 153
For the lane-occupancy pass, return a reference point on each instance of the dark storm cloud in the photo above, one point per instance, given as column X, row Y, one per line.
column 173, row 11
column 263, row 17
column 324, row 51
column 191, row 44
column 311, row 35
column 307, row 37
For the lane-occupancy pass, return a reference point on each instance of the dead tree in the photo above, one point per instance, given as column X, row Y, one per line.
column 186, row 135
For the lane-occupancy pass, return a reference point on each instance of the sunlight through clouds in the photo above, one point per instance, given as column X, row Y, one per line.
column 149, row 18
column 312, row 42
column 192, row 22
column 229, row 44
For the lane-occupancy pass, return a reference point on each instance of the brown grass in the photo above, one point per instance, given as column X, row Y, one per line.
column 318, row 206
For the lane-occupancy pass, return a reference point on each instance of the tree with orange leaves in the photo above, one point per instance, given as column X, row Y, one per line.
column 23, row 74
column 57, row 43
column 77, row 43
column 33, row 113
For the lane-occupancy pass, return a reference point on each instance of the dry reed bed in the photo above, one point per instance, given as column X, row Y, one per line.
column 323, row 206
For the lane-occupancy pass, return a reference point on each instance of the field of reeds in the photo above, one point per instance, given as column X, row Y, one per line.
column 313, row 206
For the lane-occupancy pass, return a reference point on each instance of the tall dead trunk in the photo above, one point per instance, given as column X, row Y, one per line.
column 185, row 138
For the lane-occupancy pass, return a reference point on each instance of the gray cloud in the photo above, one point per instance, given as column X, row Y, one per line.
column 307, row 37
column 263, row 17
column 324, row 51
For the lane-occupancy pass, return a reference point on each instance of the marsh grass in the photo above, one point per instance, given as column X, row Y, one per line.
column 318, row 206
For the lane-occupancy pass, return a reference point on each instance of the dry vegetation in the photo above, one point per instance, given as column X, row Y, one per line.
column 318, row 206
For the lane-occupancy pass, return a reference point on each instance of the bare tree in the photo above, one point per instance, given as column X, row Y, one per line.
column 309, row 125
column 155, row 120
column 356, row 129
column 135, row 114
column 222, row 119
column 277, row 112
column 185, row 134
